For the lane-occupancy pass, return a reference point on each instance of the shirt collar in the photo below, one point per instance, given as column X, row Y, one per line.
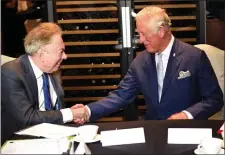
column 168, row 49
column 37, row 72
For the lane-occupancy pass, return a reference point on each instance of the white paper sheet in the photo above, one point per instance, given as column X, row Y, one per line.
column 222, row 127
column 123, row 136
column 35, row 146
column 187, row 135
column 82, row 149
column 49, row 131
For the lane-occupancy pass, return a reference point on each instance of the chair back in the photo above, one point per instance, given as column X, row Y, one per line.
column 5, row 59
column 216, row 58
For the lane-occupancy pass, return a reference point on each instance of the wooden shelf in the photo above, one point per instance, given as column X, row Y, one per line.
column 169, row 6
column 188, row 28
column 106, row 31
column 182, row 17
column 115, row 76
column 87, row 9
column 87, row 55
column 90, row 66
column 188, row 39
column 82, row 43
column 100, row 20
column 107, row 20
column 90, row 88
column 85, row 2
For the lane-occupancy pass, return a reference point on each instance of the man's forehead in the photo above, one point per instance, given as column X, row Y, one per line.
column 144, row 16
column 141, row 22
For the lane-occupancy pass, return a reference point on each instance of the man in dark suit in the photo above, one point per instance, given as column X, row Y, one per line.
column 176, row 79
column 31, row 86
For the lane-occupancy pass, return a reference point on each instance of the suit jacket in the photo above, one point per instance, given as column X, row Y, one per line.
column 20, row 106
column 199, row 93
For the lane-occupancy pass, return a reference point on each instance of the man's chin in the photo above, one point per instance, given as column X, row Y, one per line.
column 55, row 69
column 151, row 51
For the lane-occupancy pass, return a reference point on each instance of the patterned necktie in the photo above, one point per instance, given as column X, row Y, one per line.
column 160, row 76
column 47, row 98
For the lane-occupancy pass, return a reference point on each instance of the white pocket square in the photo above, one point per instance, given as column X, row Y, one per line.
column 184, row 74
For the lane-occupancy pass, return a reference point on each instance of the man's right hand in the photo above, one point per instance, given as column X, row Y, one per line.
column 80, row 113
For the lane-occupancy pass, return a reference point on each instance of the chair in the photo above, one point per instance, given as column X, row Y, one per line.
column 216, row 57
column 5, row 59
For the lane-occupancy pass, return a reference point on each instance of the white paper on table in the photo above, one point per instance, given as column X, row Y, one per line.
column 222, row 128
column 187, row 135
column 35, row 146
column 49, row 131
column 82, row 149
column 123, row 136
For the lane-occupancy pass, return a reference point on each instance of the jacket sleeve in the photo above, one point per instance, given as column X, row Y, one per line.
column 124, row 94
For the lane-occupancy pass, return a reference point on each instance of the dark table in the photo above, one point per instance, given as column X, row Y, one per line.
column 155, row 136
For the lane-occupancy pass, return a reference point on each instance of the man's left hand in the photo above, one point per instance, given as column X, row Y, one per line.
column 180, row 115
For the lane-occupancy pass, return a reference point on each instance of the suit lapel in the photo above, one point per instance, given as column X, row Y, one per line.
column 58, row 90
column 152, row 78
column 30, row 77
column 173, row 64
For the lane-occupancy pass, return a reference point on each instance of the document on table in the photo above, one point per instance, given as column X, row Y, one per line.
column 123, row 136
column 48, row 130
column 188, row 135
column 35, row 146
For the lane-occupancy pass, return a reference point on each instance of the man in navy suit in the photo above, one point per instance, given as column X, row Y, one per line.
column 22, row 83
column 176, row 79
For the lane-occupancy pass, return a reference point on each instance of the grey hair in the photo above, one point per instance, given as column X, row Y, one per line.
column 40, row 36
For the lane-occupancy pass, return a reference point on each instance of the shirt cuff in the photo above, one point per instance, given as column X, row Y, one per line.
column 188, row 114
column 89, row 111
column 67, row 115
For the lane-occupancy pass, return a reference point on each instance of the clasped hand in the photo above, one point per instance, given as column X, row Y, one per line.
column 80, row 113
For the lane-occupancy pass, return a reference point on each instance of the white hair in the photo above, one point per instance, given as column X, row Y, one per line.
column 156, row 16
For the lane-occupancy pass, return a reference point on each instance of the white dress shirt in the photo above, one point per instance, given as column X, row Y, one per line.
column 66, row 113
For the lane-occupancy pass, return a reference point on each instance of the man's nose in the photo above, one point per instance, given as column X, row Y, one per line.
column 64, row 56
column 141, row 39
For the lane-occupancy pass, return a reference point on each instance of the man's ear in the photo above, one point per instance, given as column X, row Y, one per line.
column 161, row 31
column 40, row 53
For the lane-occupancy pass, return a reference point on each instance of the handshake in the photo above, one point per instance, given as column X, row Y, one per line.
column 80, row 113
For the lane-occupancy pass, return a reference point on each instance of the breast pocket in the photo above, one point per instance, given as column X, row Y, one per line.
column 184, row 84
